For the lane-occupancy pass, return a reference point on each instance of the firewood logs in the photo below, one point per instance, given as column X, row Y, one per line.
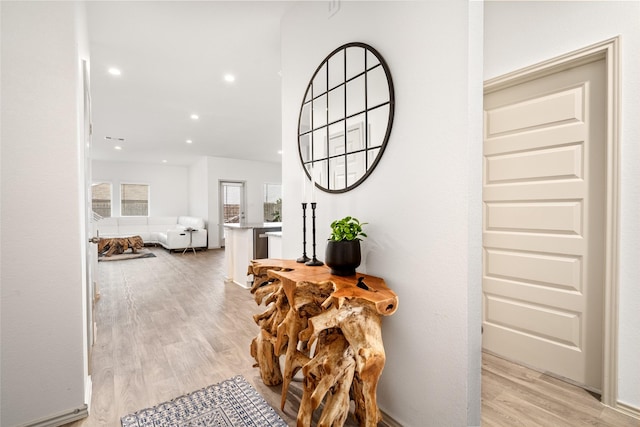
column 328, row 326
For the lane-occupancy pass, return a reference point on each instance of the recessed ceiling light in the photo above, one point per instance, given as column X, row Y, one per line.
column 117, row 147
column 164, row 161
column 189, row 141
column 279, row 151
column 115, row 71
column 229, row 78
column 195, row 116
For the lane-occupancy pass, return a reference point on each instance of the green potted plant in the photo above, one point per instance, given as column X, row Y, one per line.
column 343, row 254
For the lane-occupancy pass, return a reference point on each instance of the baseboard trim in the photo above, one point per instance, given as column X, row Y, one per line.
column 629, row 410
column 388, row 420
column 88, row 392
column 61, row 418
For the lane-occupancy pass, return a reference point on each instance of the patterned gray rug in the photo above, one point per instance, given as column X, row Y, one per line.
column 231, row 403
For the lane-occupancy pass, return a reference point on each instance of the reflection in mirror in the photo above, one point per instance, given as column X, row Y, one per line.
column 336, row 104
column 372, row 60
column 320, row 173
column 377, row 85
column 336, row 70
column 319, row 111
column 305, row 148
column 356, row 167
column 355, row 61
column 357, row 122
column 305, row 118
column 338, row 179
column 346, row 117
column 377, row 119
column 319, row 143
column 372, row 156
column 336, row 139
column 356, row 95
column 355, row 138
column 320, row 81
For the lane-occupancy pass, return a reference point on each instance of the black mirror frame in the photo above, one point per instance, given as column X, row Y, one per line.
column 391, row 104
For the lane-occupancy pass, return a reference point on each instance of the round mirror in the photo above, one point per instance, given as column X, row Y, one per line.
column 346, row 117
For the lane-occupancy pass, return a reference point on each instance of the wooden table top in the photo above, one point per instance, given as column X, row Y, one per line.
column 361, row 286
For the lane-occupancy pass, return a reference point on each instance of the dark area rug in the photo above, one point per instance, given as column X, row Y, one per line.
column 232, row 403
column 141, row 253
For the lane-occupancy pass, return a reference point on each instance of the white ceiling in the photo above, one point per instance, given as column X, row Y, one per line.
column 173, row 56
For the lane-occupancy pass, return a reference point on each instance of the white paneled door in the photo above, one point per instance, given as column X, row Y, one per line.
column 543, row 225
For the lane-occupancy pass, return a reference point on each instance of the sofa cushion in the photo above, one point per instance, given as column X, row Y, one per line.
column 158, row 225
column 191, row 221
column 132, row 226
column 108, row 227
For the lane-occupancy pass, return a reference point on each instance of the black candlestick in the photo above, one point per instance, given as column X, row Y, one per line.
column 314, row 261
column 304, row 257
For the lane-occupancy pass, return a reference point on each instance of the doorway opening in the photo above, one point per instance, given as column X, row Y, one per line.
column 232, row 205
column 545, row 255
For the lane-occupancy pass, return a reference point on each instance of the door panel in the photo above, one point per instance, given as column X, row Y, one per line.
column 543, row 223
column 544, row 270
column 549, row 217
column 535, row 320
column 554, row 163
column 564, row 106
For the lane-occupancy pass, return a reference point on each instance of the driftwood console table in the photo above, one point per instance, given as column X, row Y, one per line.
column 329, row 327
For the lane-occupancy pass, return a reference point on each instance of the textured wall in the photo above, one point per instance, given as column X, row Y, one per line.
column 42, row 352
column 421, row 202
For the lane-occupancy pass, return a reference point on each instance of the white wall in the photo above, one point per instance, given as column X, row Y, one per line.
column 518, row 34
column 254, row 174
column 199, row 189
column 422, row 200
column 181, row 190
column 42, row 352
column 169, row 185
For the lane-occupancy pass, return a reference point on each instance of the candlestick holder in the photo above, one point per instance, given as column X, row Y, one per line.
column 304, row 257
column 314, row 262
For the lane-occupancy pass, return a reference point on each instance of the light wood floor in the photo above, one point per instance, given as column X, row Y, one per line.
column 513, row 395
column 170, row 325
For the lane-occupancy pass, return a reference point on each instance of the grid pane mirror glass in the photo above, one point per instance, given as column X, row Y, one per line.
column 346, row 117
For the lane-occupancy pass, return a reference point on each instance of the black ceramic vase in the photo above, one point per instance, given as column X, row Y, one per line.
column 343, row 257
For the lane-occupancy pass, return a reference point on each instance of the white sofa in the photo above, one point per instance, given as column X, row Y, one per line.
column 169, row 231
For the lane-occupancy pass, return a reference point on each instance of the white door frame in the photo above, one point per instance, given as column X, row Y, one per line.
column 90, row 248
column 243, row 205
column 609, row 51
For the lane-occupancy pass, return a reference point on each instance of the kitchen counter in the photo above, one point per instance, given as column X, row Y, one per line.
column 245, row 242
column 275, row 243
column 270, row 225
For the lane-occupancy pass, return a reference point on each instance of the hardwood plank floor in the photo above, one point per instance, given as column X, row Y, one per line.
column 513, row 395
column 170, row 325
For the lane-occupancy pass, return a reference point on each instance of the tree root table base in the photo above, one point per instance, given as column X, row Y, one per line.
column 327, row 326
column 118, row 245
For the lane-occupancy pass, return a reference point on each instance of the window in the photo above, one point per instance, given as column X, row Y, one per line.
column 101, row 199
column 134, row 200
column 272, row 203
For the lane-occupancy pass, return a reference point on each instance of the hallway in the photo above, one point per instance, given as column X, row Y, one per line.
column 170, row 325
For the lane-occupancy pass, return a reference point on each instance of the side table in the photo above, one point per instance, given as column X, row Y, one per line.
column 190, row 245
column 342, row 317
